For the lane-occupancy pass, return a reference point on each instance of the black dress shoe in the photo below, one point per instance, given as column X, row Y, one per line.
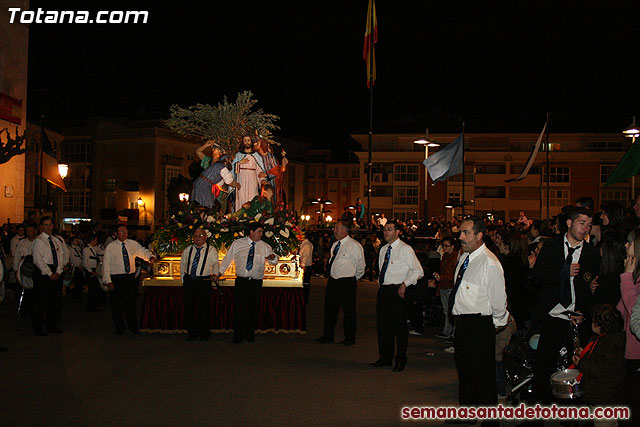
column 251, row 339
column 192, row 337
column 40, row 334
column 378, row 363
column 3, row 349
column 348, row 343
column 204, row 338
column 54, row 330
column 324, row 340
column 399, row 367
column 236, row 341
column 135, row 331
column 120, row 332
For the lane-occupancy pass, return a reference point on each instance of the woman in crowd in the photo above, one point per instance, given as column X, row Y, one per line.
column 515, row 263
column 630, row 289
column 606, row 287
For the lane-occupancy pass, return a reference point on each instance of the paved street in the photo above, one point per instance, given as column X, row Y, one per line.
column 90, row 376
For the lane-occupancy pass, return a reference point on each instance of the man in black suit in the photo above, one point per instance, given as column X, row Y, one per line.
column 563, row 272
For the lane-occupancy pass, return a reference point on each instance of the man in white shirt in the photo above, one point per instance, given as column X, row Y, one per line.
column 306, row 260
column 346, row 267
column 50, row 256
column 198, row 264
column 16, row 239
column 119, row 267
column 399, row 268
column 249, row 255
column 478, row 302
column 91, row 259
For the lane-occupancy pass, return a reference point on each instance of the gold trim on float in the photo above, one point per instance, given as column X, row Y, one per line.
column 225, row 331
column 266, row 283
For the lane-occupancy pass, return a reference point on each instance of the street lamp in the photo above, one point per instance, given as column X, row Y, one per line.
column 632, row 131
column 184, row 197
column 322, row 203
column 63, row 169
column 427, row 143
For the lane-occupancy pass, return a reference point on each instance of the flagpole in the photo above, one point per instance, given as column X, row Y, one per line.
column 548, row 170
column 38, row 201
column 369, row 159
column 463, row 183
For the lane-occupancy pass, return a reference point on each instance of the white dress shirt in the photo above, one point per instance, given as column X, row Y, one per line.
column 89, row 255
column 350, row 259
column 14, row 244
column 482, row 289
column 558, row 310
column 75, row 253
column 211, row 264
column 403, row 267
column 42, row 255
column 239, row 252
column 24, row 249
column 113, row 262
column 306, row 253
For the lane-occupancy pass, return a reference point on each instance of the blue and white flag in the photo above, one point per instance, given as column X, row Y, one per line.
column 532, row 158
column 446, row 162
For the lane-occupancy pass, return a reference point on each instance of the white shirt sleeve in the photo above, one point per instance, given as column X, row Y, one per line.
column 415, row 269
column 226, row 261
column 359, row 260
column 106, row 265
column 183, row 263
column 269, row 251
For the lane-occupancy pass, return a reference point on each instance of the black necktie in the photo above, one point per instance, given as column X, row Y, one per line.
column 333, row 258
column 125, row 259
column 452, row 296
column 54, row 254
column 252, row 251
column 385, row 265
column 565, row 277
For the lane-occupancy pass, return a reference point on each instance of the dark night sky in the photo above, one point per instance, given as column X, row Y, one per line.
column 437, row 62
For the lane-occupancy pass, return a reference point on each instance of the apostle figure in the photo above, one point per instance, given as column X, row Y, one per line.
column 246, row 170
column 207, row 188
column 273, row 171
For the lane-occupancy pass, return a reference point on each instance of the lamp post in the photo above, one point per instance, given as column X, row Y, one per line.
column 184, row 197
column 427, row 143
column 321, row 211
column 632, row 131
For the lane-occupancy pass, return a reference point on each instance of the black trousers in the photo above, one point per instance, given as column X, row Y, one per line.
column 391, row 319
column 475, row 355
column 306, row 284
column 123, row 301
column 340, row 292
column 46, row 301
column 197, row 306
column 246, row 307
column 95, row 294
column 555, row 334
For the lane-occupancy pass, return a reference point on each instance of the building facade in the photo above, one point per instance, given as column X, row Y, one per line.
column 579, row 165
column 14, row 48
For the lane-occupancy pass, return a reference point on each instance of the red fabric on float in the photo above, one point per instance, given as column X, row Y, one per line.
column 281, row 310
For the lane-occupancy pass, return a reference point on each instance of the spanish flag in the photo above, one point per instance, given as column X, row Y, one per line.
column 369, row 49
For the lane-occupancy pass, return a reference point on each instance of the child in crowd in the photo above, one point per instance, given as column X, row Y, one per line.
column 602, row 361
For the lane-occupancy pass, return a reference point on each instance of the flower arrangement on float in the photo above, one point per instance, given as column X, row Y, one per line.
column 281, row 229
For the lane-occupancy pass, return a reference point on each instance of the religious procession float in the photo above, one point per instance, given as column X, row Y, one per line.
column 224, row 209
